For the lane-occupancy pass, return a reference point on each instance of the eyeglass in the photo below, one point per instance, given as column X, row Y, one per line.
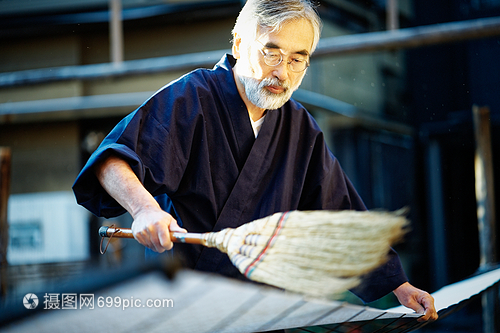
column 297, row 63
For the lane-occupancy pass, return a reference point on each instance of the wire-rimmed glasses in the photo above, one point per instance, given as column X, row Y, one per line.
column 273, row 57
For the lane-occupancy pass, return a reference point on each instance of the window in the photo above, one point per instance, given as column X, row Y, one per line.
column 26, row 235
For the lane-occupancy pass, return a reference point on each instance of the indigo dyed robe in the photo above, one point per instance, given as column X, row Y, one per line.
column 192, row 144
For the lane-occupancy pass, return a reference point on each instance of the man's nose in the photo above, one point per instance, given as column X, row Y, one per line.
column 281, row 70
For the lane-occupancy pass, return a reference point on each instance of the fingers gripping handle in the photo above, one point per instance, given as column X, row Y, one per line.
column 177, row 237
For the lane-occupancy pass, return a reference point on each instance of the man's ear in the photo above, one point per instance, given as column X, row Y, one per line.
column 236, row 46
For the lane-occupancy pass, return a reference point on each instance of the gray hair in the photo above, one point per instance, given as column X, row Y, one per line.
column 273, row 14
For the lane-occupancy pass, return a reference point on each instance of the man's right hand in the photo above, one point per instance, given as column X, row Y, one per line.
column 151, row 228
column 152, row 225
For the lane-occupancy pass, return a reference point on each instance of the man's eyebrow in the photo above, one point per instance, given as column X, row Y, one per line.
column 271, row 45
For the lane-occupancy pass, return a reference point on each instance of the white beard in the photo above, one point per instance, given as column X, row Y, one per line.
column 259, row 96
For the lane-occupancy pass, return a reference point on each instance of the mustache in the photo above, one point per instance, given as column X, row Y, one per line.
column 274, row 82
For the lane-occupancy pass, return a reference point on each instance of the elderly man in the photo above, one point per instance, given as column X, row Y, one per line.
column 222, row 147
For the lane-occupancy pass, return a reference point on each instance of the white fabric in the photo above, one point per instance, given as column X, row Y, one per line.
column 256, row 125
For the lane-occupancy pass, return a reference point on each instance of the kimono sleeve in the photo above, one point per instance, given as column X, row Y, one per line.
column 382, row 280
column 154, row 140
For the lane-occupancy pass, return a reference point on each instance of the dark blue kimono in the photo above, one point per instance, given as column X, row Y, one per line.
column 193, row 142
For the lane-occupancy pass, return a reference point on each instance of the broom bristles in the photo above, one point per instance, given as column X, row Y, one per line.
column 318, row 253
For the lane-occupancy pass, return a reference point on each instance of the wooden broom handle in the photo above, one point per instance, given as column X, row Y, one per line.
column 177, row 237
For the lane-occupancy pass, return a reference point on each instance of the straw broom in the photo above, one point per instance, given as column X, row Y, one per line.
column 317, row 253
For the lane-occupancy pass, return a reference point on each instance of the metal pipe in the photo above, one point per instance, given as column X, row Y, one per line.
column 436, row 214
column 333, row 46
column 392, row 15
column 485, row 197
column 5, row 169
column 116, row 32
column 409, row 37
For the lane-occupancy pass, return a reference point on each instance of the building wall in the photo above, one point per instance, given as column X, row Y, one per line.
column 40, row 52
column 45, row 156
column 46, row 151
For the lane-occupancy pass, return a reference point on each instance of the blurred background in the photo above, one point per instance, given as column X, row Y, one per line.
column 397, row 110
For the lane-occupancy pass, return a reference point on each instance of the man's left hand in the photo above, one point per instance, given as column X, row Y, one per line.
column 418, row 300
